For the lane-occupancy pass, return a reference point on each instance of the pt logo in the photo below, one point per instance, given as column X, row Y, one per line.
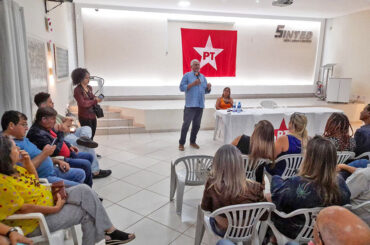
column 282, row 130
column 208, row 54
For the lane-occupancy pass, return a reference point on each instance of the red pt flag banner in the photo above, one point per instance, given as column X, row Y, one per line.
column 215, row 49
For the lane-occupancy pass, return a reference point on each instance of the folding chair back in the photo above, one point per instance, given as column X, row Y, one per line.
column 251, row 167
column 243, row 220
column 292, row 164
column 343, row 156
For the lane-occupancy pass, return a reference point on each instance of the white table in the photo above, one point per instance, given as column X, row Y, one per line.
column 229, row 125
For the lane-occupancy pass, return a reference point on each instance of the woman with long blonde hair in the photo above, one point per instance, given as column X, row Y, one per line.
column 317, row 185
column 293, row 143
column 227, row 185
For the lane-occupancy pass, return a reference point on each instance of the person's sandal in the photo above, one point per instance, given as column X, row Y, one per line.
column 118, row 237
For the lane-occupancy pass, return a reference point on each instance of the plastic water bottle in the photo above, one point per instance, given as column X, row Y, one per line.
column 239, row 109
column 234, row 107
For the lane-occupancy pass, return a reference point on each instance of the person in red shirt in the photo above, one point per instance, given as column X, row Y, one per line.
column 42, row 132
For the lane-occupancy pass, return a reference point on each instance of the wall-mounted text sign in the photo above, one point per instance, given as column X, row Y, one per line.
column 293, row 35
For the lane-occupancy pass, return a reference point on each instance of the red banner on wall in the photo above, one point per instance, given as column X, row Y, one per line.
column 215, row 49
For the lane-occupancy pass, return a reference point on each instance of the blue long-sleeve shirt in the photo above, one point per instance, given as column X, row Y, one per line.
column 194, row 97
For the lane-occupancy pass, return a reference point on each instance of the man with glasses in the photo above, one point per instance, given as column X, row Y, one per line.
column 14, row 124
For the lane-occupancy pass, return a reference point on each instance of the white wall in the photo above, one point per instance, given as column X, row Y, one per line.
column 62, row 35
column 347, row 43
column 128, row 49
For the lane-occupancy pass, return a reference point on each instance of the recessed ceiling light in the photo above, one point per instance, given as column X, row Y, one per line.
column 183, row 4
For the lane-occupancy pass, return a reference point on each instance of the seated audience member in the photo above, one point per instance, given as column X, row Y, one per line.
column 242, row 142
column 22, row 193
column 225, row 101
column 82, row 136
column 262, row 146
column 10, row 236
column 317, row 185
column 293, row 143
column 337, row 226
column 359, row 184
column 14, row 124
column 84, row 143
column 227, row 185
column 337, row 131
column 42, row 133
column 362, row 135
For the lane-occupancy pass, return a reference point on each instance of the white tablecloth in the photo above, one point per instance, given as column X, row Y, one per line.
column 229, row 125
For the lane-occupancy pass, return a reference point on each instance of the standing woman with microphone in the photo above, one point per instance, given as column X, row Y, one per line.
column 85, row 98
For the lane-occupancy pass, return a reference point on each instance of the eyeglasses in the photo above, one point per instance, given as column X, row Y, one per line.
column 25, row 125
column 318, row 232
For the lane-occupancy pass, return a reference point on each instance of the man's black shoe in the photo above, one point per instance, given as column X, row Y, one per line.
column 85, row 141
column 102, row 174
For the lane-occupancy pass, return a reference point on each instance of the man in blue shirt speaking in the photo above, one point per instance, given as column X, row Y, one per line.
column 195, row 87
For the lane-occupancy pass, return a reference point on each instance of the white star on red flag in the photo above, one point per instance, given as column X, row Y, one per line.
column 208, row 54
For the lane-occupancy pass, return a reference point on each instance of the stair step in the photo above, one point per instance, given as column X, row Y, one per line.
column 120, row 130
column 110, row 114
column 114, row 122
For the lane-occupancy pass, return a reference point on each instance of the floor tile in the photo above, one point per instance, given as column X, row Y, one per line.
column 143, row 178
column 150, row 232
column 183, row 240
column 106, row 163
column 122, row 218
column 194, row 196
column 117, row 191
column 144, row 202
column 166, row 215
column 123, row 170
column 99, row 183
column 161, row 168
column 122, row 156
column 163, row 187
column 142, row 161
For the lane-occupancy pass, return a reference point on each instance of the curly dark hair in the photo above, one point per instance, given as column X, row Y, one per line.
column 78, row 75
column 6, row 166
column 338, row 126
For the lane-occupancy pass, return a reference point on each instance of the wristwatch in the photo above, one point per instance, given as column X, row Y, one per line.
column 10, row 231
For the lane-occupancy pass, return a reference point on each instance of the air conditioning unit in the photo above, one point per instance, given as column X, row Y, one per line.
column 282, row 3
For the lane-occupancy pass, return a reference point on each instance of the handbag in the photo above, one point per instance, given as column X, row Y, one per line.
column 58, row 188
column 96, row 108
column 98, row 111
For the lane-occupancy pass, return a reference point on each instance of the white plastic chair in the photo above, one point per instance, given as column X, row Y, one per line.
column 46, row 237
column 292, row 165
column 270, row 104
column 243, row 221
column 365, row 206
column 364, row 155
column 199, row 226
column 250, row 169
column 343, row 156
column 195, row 173
column 306, row 233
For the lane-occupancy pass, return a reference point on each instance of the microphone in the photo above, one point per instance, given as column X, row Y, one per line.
column 95, row 78
column 197, row 74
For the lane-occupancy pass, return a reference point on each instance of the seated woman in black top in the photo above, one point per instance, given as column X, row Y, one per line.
column 317, row 185
column 259, row 146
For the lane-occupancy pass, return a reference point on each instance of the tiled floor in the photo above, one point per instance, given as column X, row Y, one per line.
column 136, row 195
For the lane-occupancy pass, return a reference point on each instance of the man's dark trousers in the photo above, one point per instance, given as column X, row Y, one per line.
column 191, row 114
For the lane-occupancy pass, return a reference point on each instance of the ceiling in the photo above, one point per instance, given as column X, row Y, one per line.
column 300, row 8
